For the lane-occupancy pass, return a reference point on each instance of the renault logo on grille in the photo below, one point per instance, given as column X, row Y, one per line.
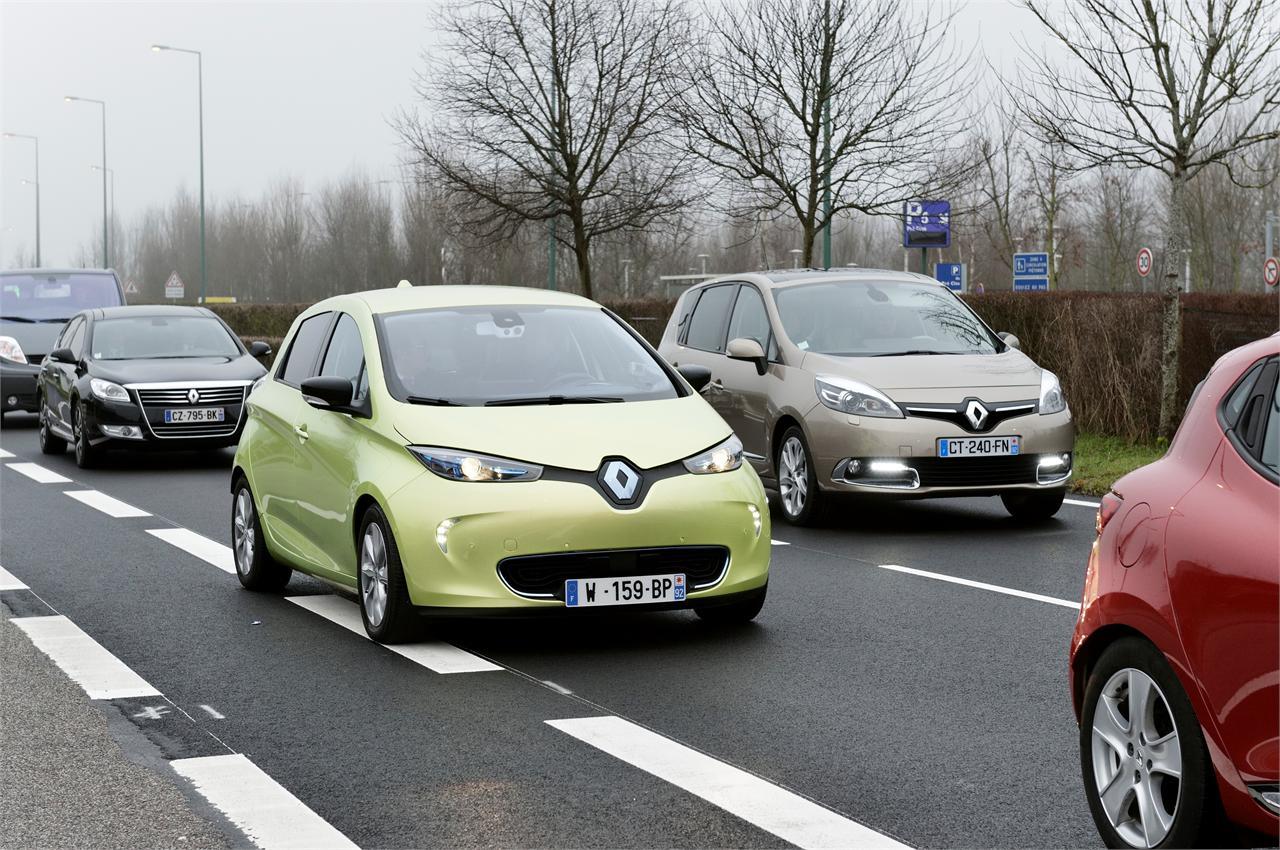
column 976, row 414
column 193, row 396
column 620, row 481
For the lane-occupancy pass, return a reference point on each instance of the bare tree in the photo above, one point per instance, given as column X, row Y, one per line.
column 553, row 110
column 1173, row 85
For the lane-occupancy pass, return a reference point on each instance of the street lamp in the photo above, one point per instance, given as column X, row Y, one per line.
column 106, row 257
column 112, row 174
column 156, row 48
column 626, row 278
column 703, row 257
column 795, row 257
column 35, row 183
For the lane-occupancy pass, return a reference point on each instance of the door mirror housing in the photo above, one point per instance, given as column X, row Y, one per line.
column 62, row 355
column 258, row 348
column 743, row 348
column 697, row 376
column 328, row 393
column 1011, row 340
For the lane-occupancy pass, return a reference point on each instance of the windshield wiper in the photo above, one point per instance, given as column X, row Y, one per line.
column 552, row 399
column 20, row 319
column 913, row 352
column 438, row 402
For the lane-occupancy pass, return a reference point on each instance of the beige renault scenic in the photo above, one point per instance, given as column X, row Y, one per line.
column 874, row 382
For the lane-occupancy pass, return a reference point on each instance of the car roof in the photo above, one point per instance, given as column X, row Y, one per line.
column 37, row 272
column 403, row 298
column 781, row 278
column 142, row 311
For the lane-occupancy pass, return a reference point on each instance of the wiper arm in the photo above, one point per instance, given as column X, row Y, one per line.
column 19, row 319
column 437, row 402
column 912, row 352
column 51, row 321
column 552, row 399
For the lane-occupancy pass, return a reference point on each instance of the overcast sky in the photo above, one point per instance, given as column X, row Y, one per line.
column 299, row 89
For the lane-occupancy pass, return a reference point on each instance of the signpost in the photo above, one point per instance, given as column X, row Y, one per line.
column 130, row 288
column 954, row 275
column 1031, row 272
column 173, row 287
column 1144, row 262
column 925, row 225
column 1271, row 271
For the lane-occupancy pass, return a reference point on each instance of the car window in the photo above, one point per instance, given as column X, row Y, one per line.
column 1270, row 453
column 45, row 296
column 749, row 319
column 345, row 356
column 706, row 327
column 76, row 340
column 1234, row 402
column 684, row 309
column 304, row 350
column 169, row 337
column 65, row 336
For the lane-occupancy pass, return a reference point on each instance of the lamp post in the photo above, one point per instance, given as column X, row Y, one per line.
column 795, row 257
column 626, row 278
column 106, row 256
column 703, row 257
column 112, row 174
column 35, row 183
column 156, row 48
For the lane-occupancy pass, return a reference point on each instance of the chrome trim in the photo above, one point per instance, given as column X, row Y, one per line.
column 1267, row 796
column 752, row 455
column 1009, row 407
column 515, row 592
column 723, row 572
column 838, row 474
column 183, row 385
column 244, row 406
column 918, row 409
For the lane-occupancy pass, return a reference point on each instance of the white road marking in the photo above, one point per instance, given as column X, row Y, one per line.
column 259, row 806
column 209, row 710
column 101, row 674
column 197, row 544
column 1081, row 502
column 434, row 655
column 8, row 581
column 761, row 803
column 982, row 585
column 4, row 454
column 779, row 543
column 108, row 505
column 560, row 689
column 38, row 473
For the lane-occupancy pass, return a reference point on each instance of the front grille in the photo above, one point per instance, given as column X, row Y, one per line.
column 156, row 401
column 209, row 396
column 544, row 575
column 975, row 471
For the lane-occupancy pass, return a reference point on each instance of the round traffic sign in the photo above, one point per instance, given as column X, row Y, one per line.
column 1271, row 271
column 1144, row 262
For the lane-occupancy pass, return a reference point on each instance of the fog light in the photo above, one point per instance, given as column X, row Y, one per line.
column 854, row 467
column 442, row 534
column 755, row 518
column 123, row 432
column 1053, row 468
column 12, row 401
column 893, row 467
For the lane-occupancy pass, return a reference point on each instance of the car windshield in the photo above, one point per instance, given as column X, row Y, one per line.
column 44, row 296
column 145, row 337
column 876, row 318
column 517, row 355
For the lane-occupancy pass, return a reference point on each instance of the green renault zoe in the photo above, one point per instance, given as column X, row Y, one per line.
column 492, row 450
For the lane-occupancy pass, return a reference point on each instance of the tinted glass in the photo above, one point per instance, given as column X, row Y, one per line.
column 305, row 348
column 345, row 356
column 749, row 319
column 865, row 318
column 57, row 297
column 476, row 355
column 140, row 337
column 75, row 336
column 1270, row 454
column 1234, row 402
column 706, row 328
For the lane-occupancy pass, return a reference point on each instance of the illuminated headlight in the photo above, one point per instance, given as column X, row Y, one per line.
column 1051, row 398
column 107, row 391
column 442, row 534
column 466, row 466
column 725, row 457
column 10, row 350
column 756, row 524
column 854, row 397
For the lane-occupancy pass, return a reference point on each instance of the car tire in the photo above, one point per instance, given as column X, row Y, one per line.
column 798, row 495
column 389, row 616
column 1127, row 666
column 255, row 567
column 50, row 443
column 734, row 613
column 87, row 456
column 1035, row 506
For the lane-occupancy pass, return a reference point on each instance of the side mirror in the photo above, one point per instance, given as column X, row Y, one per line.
column 743, row 348
column 1010, row 340
column 697, row 376
column 259, row 348
column 62, row 355
column 327, row 393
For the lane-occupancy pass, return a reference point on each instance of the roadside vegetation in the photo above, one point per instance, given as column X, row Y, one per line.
column 1101, row 459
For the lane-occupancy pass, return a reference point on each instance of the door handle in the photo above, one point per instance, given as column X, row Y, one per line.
column 301, row 431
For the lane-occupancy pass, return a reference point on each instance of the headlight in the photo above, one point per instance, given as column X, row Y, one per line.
column 855, row 397
column 108, row 391
column 1051, row 398
column 10, row 350
column 466, row 466
column 725, row 457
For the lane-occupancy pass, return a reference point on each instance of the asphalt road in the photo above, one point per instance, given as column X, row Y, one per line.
column 933, row 711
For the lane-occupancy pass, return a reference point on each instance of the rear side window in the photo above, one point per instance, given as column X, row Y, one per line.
column 345, row 356
column 706, row 327
column 1234, row 402
column 303, row 352
column 1270, row 454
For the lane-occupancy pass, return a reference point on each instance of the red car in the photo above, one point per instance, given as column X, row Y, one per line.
column 1175, row 661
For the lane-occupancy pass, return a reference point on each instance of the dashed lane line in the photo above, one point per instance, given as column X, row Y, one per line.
column 202, row 547
column 1081, row 502
column 5, row 454
column 757, row 801
column 87, row 662
column 8, row 581
column 779, row 543
column 982, row 585
column 434, row 655
column 38, row 473
column 110, row 506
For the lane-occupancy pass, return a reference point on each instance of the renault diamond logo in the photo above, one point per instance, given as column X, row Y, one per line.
column 192, row 396
column 620, row 480
column 976, row 414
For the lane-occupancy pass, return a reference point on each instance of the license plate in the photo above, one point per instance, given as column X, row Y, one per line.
column 633, row 590
column 978, row 446
column 195, row 414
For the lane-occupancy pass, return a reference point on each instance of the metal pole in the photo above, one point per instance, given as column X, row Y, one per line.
column 204, row 272
column 924, row 261
column 37, row 141
column 826, row 181
column 106, row 257
column 1186, row 272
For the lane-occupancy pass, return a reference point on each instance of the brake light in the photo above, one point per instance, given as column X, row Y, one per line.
column 1106, row 510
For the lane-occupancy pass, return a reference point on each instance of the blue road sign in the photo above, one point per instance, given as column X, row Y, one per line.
column 1031, row 284
column 952, row 274
column 926, row 224
column 1031, row 272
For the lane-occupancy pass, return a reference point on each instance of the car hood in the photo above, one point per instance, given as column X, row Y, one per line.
column 162, row 370
column 36, row 338
column 931, row 371
column 570, row 436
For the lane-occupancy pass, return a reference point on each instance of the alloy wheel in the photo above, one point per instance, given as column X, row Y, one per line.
column 78, row 437
column 793, row 476
column 242, row 530
column 373, row 574
column 1137, row 758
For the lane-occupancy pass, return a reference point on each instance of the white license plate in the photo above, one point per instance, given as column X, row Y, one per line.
column 633, row 590
column 978, row 446
column 195, row 414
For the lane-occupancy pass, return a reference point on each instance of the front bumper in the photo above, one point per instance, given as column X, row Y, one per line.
column 113, row 424
column 493, row 522
column 18, row 383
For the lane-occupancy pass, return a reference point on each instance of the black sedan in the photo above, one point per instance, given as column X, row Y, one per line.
column 145, row 377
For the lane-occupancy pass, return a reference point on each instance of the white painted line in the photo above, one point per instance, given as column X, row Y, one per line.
column 434, row 655
column 102, row 502
column 209, row 710
column 560, row 689
column 1081, row 502
column 8, row 581
column 260, row 807
column 981, row 585
column 4, row 454
column 774, row 809
column 779, row 542
column 199, row 545
column 38, row 473
column 101, row 674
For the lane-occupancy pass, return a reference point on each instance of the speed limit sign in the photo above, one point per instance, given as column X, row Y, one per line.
column 1271, row 271
column 1144, row 262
